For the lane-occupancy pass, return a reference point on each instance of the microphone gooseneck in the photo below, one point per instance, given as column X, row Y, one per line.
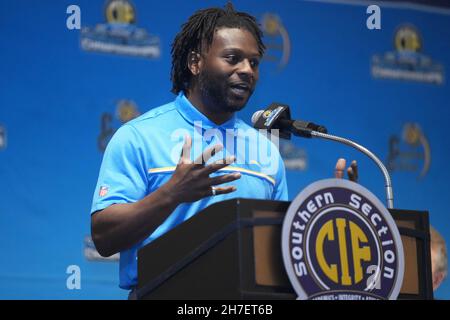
column 371, row 155
column 310, row 130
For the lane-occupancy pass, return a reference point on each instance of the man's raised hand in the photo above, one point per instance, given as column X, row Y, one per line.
column 191, row 180
column 352, row 171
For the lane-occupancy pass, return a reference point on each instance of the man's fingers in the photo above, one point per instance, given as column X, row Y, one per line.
column 208, row 154
column 354, row 167
column 221, row 190
column 224, row 178
column 186, row 150
column 350, row 174
column 352, row 171
column 339, row 169
column 219, row 164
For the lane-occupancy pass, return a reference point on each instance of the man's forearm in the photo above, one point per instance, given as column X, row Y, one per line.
column 121, row 226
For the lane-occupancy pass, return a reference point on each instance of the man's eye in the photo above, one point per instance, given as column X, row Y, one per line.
column 254, row 63
column 232, row 59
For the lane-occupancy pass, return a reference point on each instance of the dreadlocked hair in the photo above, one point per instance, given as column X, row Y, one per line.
column 197, row 35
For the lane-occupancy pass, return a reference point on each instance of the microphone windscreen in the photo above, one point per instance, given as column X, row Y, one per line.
column 256, row 116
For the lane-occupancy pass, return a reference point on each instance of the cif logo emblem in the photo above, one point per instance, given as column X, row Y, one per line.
column 407, row 61
column 120, row 34
column 356, row 252
column 407, row 39
column 340, row 243
column 126, row 110
column 120, row 11
column 406, row 153
column 277, row 40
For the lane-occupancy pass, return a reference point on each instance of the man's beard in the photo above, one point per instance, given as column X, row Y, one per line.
column 215, row 93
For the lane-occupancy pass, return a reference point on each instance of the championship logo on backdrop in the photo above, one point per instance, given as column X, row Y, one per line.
column 277, row 40
column 294, row 158
column 2, row 137
column 407, row 62
column 119, row 35
column 339, row 242
column 408, row 152
column 126, row 110
column 91, row 253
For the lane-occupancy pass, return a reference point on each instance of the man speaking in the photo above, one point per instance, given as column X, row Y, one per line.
column 173, row 161
column 142, row 192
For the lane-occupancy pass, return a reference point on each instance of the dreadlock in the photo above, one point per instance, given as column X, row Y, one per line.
column 197, row 35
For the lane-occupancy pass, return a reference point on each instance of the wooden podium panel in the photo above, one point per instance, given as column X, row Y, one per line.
column 232, row 250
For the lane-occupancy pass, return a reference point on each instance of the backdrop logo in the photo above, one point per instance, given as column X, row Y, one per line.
column 340, row 243
column 407, row 153
column 407, row 62
column 91, row 253
column 2, row 137
column 126, row 110
column 277, row 40
column 294, row 158
column 119, row 35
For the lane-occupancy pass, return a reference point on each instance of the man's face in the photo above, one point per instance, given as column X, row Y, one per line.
column 229, row 70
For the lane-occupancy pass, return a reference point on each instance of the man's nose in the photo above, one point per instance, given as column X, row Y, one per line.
column 245, row 69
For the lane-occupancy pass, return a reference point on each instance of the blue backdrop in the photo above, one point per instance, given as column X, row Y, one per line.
column 59, row 103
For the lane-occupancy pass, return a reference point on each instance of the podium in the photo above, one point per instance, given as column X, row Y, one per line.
column 232, row 250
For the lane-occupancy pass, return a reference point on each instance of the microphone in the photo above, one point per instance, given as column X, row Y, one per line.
column 278, row 116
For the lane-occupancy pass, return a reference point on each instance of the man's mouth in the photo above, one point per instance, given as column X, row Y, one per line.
column 240, row 89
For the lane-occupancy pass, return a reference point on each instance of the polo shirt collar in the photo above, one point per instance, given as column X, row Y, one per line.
column 191, row 114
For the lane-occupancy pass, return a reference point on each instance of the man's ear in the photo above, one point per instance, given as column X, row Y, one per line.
column 194, row 62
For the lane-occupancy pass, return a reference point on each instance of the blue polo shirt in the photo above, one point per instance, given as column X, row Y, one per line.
column 143, row 154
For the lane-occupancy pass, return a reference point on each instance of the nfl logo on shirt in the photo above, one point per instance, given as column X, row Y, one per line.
column 103, row 191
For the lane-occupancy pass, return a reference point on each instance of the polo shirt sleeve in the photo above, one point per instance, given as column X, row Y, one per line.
column 123, row 175
column 281, row 190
